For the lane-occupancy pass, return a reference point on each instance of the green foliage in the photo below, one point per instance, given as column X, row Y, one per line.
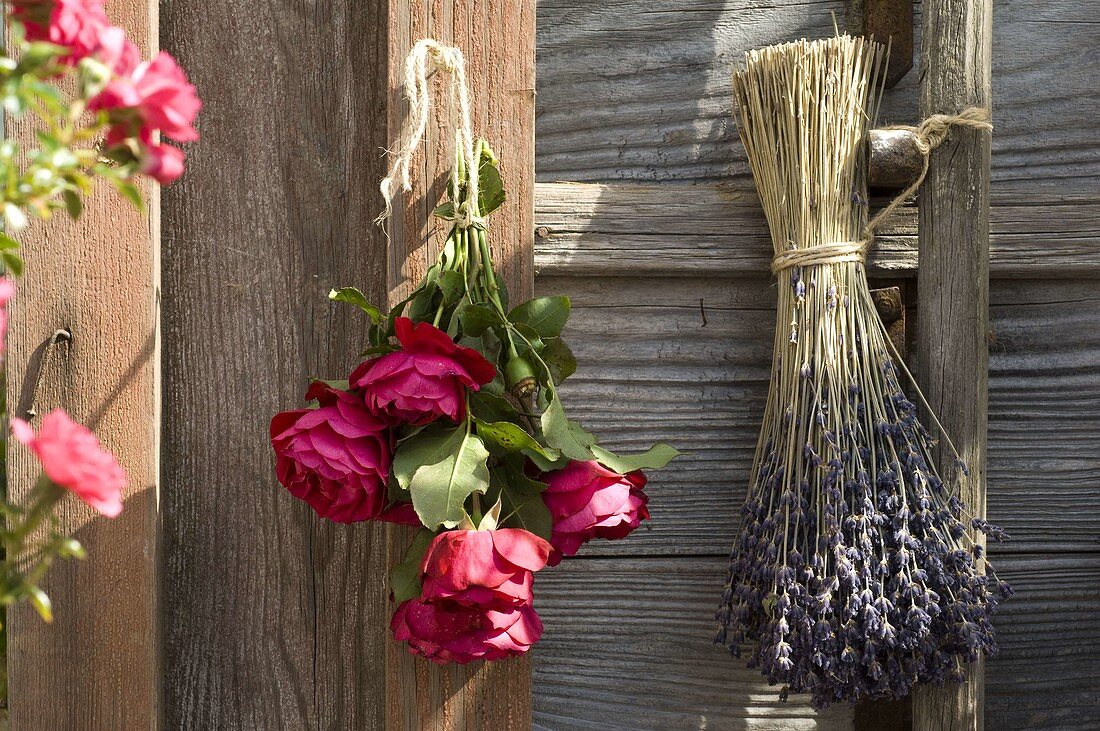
column 545, row 316
column 353, row 296
column 405, row 576
column 441, row 468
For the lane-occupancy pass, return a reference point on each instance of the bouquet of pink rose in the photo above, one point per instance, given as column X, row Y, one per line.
column 454, row 423
column 109, row 127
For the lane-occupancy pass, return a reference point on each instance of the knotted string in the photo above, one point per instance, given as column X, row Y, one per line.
column 425, row 59
column 927, row 136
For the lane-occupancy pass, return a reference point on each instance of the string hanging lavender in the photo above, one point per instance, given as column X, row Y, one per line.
column 855, row 575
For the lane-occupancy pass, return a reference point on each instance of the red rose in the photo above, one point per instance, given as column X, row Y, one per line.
column 335, row 457
column 448, row 631
column 481, row 567
column 424, row 380
column 587, row 500
column 73, row 458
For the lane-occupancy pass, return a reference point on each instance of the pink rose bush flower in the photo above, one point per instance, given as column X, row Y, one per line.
column 72, row 458
column 74, row 24
column 476, row 600
column 424, row 380
column 335, row 457
column 587, row 500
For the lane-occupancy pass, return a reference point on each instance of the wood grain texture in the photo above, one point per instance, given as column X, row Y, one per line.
column 96, row 666
column 498, row 42
column 686, row 230
column 272, row 616
column 650, row 369
column 649, row 100
column 952, row 344
column 628, row 646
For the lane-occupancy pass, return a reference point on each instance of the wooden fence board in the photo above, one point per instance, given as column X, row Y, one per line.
column 498, row 42
column 649, row 100
column 96, row 666
column 628, row 646
column 272, row 617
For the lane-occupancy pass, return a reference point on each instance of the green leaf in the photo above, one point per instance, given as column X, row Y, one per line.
column 453, row 285
column 7, row 242
column 559, row 359
column 657, row 457
column 545, row 315
column 521, row 503
column 353, row 296
column 445, row 211
column 491, row 407
column 490, row 187
column 129, row 191
column 422, row 306
column 73, row 204
column 12, row 262
column 477, row 319
column 405, row 576
column 440, row 469
column 503, row 437
column 529, row 341
column 564, row 435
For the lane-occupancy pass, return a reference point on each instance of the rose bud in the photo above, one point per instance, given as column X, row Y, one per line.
column 587, row 500
column 335, row 457
column 424, row 380
column 479, row 567
column 447, row 631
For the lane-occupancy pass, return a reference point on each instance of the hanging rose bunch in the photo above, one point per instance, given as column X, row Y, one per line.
column 453, row 422
column 112, row 126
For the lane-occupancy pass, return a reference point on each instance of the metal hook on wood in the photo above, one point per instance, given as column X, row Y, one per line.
column 62, row 335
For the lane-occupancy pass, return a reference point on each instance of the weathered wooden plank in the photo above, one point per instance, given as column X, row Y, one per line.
column 952, row 343
column 627, row 646
column 651, row 369
column 649, row 99
column 685, row 230
column 272, row 617
column 498, row 42
column 97, row 665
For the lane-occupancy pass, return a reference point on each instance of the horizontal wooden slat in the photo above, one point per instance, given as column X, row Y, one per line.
column 650, row 369
column 628, row 646
column 649, row 99
column 680, row 229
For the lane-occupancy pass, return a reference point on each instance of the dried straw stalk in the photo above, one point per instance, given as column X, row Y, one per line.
column 854, row 575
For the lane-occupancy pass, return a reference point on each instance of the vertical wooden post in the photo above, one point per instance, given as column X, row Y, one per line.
column 273, row 617
column 96, row 666
column 498, row 41
column 953, row 284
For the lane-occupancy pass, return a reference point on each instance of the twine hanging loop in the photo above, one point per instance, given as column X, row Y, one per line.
column 427, row 57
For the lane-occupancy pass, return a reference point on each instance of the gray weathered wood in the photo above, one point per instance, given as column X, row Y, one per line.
column 598, row 229
column 628, row 646
column 498, row 42
column 97, row 665
column 651, row 370
column 952, row 344
column 648, row 99
column 272, row 617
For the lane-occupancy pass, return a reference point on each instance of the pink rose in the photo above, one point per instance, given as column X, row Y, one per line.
column 7, row 291
column 424, row 380
column 116, row 51
column 448, row 631
column 587, row 500
column 335, row 457
column 482, row 567
column 74, row 24
column 159, row 94
column 72, row 458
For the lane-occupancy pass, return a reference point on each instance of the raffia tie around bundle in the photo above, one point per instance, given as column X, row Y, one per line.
column 928, row 135
column 426, row 58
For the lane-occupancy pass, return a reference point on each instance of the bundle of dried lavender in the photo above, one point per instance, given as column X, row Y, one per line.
column 855, row 575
